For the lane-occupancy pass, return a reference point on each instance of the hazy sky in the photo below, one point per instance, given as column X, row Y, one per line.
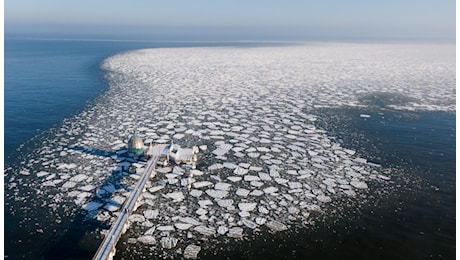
column 290, row 18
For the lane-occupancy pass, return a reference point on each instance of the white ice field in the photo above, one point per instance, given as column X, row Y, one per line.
column 263, row 164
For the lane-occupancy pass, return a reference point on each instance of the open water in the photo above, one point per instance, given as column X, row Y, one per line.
column 49, row 80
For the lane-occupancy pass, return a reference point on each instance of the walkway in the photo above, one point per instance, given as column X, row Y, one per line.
column 107, row 248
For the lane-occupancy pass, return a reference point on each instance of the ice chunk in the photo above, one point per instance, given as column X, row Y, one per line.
column 244, row 214
column 383, row 177
column 245, row 206
column 165, row 228
column 249, row 223
column 253, row 155
column 234, row 178
column 293, row 210
column 92, row 206
column 170, row 176
column 350, row 193
column 215, row 166
column 207, row 231
column 190, row 220
column 295, row 191
column 49, row 184
column 263, row 149
column 263, row 210
column 264, row 176
column 359, row 184
column 260, row 221
column 295, row 185
column 217, row 194
column 222, row 186
column 151, row 213
column 244, row 165
column 270, row 190
column 222, row 230
column 360, row 160
column 81, row 198
column 176, row 196
column 276, row 226
column 374, row 164
column 79, row 178
column 202, row 184
column 251, row 178
column 230, row 165
column 111, row 207
column 69, row 166
column 196, row 173
column 191, row 251
column 183, row 226
column 168, row 242
column 288, row 197
column 136, row 218
column 348, row 151
column 86, row 187
column 178, row 136
column 225, row 203
column 147, row 224
column 195, row 193
column 329, row 182
column 281, row 181
column 69, row 184
column 256, row 193
column 109, row 188
column 255, row 168
column 257, row 183
column 220, row 151
column 235, row 232
column 24, row 172
column 163, row 170
column 215, row 177
column 147, row 240
column 201, row 211
column 242, row 192
column 41, row 173
column 240, row 171
column 204, row 203
column 150, row 231
column 118, row 200
column 313, row 207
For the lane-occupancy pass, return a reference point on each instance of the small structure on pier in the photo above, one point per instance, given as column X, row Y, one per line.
column 135, row 145
column 167, row 153
column 173, row 153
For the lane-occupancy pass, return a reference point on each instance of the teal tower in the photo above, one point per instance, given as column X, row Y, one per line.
column 135, row 144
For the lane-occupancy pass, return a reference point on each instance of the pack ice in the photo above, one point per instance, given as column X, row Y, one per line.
column 263, row 163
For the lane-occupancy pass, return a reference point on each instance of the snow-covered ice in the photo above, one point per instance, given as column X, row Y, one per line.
column 253, row 114
column 191, row 251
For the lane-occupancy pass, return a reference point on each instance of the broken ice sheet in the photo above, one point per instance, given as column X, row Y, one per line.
column 246, row 128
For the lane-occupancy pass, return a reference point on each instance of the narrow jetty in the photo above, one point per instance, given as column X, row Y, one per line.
column 107, row 248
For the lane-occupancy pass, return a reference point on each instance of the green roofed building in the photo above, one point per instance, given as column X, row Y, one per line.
column 135, row 144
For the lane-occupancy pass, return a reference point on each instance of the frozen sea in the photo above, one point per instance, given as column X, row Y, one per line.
column 321, row 150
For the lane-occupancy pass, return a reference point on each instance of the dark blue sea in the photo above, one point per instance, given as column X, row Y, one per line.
column 47, row 80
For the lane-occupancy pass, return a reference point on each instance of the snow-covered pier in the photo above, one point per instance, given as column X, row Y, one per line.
column 107, row 248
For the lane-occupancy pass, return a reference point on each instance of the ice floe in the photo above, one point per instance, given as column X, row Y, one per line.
column 191, row 251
